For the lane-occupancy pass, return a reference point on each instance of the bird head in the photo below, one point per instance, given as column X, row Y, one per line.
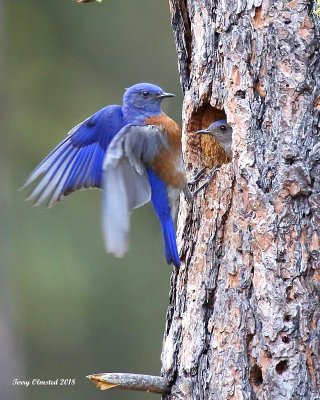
column 220, row 130
column 145, row 99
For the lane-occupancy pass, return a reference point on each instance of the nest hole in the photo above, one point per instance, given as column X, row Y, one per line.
column 204, row 116
column 211, row 152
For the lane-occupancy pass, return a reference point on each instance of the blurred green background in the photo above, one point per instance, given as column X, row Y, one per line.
column 67, row 309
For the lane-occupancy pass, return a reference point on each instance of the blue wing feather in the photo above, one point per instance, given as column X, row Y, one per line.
column 161, row 205
column 93, row 129
column 76, row 175
column 76, row 163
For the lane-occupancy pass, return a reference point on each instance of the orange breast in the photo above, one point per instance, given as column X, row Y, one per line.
column 168, row 164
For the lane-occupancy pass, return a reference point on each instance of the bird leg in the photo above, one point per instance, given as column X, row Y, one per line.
column 187, row 193
column 187, row 189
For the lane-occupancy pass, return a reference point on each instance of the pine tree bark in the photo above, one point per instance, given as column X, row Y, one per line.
column 244, row 315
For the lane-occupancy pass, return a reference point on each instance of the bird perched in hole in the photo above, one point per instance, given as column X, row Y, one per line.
column 222, row 132
column 132, row 152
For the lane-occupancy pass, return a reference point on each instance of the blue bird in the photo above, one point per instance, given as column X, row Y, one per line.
column 132, row 152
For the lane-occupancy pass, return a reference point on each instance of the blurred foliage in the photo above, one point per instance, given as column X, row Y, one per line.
column 73, row 310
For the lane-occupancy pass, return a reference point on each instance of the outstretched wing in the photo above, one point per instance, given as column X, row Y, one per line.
column 76, row 163
column 125, row 180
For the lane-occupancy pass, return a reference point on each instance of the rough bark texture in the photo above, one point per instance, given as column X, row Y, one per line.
column 244, row 318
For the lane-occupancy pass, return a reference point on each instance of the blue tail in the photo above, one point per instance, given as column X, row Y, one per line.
column 170, row 243
column 161, row 205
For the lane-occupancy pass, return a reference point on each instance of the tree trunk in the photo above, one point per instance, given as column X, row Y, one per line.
column 244, row 318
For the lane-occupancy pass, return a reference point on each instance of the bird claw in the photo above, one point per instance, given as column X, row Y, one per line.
column 197, row 176
column 208, row 180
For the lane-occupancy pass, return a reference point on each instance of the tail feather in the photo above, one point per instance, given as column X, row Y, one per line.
column 163, row 208
column 170, row 243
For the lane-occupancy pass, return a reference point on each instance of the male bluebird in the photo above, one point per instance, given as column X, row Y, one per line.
column 222, row 132
column 133, row 152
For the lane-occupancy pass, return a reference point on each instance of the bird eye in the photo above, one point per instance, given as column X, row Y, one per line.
column 145, row 93
column 223, row 128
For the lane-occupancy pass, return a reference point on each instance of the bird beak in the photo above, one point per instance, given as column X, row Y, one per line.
column 164, row 95
column 202, row 131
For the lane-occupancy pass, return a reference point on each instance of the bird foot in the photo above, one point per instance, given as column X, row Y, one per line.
column 208, row 180
column 197, row 176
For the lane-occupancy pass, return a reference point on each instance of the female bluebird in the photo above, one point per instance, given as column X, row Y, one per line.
column 133, row 152
column 222, row 132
